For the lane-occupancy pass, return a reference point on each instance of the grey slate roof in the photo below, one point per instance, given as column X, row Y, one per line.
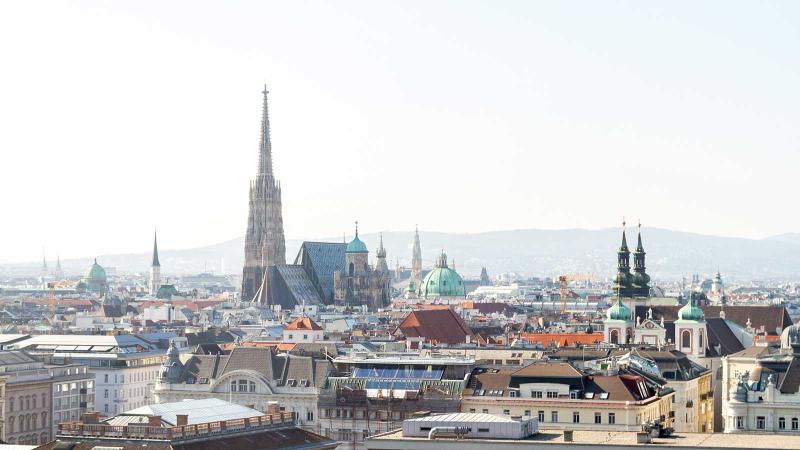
column 277, row 368
column 299, row 284
column 324, row 258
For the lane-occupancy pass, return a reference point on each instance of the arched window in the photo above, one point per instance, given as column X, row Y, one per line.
column 28, row 401
column 11, row 425
column 43, row 438
column 686, row 339
column 794, row 424
column 34, row 402
column 21, row 404
column 614, row 336
column 352, row 268
column 700, row 344
column 34, row 420
column 44, row 400
column 11, row 404
column 44, row 418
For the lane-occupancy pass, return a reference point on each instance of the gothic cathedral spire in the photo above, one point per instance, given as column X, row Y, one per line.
column 155, row 268
column 265, row 243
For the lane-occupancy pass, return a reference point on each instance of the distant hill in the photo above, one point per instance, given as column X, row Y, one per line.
column 790, row 238
column 670, row 254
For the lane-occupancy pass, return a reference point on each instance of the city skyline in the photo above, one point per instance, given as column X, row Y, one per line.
column 137, row 137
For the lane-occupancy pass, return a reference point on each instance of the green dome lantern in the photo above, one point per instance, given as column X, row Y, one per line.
column 356, row 245
column 618, row 311
column 442, row 281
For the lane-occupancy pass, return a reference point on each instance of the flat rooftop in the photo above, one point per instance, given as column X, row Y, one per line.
column 604, row 439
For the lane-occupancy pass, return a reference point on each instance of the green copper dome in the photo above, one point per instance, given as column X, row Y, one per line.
column 691, row 312
column 442, row 282
column 618, row 311
column 95, row 273
column 356, row 245
column 95, row 278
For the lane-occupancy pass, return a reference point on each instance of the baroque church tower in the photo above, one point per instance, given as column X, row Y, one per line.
column 264, row 243
column 641, row 280
column 624, row 280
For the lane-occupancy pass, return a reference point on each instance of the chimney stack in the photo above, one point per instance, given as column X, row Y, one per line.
column 183, row 420
column 154, row 421
column 90, row 417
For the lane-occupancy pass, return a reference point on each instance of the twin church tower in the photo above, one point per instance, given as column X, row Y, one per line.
column 627, row 284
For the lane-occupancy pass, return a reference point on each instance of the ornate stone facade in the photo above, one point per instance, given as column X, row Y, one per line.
column 359, row 284
column 265, row 244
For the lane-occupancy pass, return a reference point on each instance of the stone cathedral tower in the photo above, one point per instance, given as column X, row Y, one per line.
column 264, row 243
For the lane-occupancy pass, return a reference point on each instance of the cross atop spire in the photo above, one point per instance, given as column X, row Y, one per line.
column 356, row 228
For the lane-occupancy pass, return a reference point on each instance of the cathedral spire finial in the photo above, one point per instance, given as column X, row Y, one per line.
column 356, row 228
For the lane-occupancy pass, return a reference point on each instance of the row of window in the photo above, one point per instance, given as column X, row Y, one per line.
column 27, row 402
column 26, row 422
column 135, row 377
column 761, row 423
column 30, row 439
column 576, row 416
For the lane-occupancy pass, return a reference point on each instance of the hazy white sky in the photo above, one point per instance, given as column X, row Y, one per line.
column 117, row 117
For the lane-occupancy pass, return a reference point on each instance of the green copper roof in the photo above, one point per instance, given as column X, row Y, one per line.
column 691, row 312
column 356, row 246
column 442, row 282
column 95, row 273
column 618, row 311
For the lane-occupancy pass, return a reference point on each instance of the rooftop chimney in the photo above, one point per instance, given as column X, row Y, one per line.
column 90, row 417
column 183, row 420
column 154, row 421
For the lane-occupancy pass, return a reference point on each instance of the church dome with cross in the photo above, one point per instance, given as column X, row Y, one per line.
column 442, row 281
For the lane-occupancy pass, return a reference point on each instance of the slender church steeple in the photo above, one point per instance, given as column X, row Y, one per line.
column 155, row 268
column 641, row 280
column 44, row 271
column 416, row 260
column 381, row 265
column 265, row 243
column 623, row 279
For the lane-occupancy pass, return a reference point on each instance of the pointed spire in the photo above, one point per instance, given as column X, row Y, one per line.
column 639, row 247
column 155, row 262
column 624, row 246
column 265, row 147
column 381, row 253
column 356, row 229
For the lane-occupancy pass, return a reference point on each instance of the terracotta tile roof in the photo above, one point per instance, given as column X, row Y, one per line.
column 303, row 323
column 441, row 326
column 562, row 339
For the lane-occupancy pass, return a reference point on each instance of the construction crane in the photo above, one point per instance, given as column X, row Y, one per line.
column 564, row 281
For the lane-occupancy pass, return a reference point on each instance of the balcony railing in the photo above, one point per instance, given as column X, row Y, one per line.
column 176, row 433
